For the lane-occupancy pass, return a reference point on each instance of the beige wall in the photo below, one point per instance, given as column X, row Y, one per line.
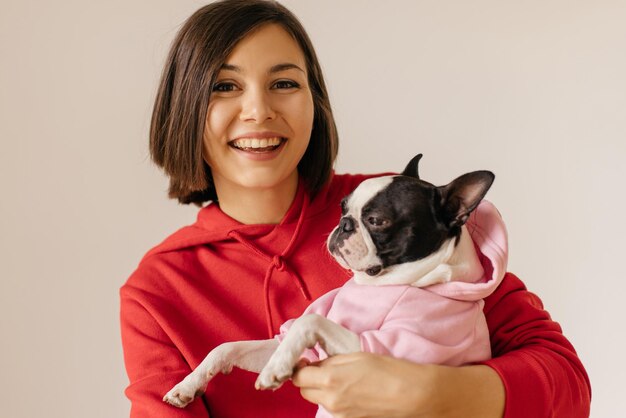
column 534, row 90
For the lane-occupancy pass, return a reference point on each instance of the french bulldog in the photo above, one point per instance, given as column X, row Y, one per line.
column 400, row 235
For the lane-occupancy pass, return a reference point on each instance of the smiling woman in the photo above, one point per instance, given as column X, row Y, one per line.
column 242, row 120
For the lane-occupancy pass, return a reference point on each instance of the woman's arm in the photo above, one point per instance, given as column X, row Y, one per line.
column 533, row 364
column 153, row 364
column 539, row 367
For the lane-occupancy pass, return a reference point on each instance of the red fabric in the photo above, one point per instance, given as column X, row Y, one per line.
column 542, row 374
column 202, row 287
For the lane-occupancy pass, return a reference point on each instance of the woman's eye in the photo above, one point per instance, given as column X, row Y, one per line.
column 285, row 84
column 224, row 87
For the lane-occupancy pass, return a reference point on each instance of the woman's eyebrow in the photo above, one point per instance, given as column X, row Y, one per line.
column 274, row 69
column 230, row 67
column 283, row 67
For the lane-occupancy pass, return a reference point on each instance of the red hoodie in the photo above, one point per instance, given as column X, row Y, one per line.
column 219, row 280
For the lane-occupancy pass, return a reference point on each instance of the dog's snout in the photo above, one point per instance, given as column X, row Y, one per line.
column 346, row 224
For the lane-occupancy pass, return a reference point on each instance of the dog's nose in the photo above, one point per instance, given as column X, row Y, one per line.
column 374, row 270
column 346, row 224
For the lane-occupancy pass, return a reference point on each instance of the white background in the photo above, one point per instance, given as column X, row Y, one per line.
column 534, row 91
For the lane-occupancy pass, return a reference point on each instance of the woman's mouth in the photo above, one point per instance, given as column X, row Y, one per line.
column 257, row 145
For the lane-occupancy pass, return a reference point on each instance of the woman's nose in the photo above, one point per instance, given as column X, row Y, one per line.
column 256, row 106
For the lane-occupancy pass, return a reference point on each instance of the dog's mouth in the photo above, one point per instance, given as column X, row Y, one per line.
column 258, row 145
column 351, row 251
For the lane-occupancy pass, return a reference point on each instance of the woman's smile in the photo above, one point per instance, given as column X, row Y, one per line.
column 259, row 144
column 258, row 149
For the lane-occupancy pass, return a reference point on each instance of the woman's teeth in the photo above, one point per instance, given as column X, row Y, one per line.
column 256, row 144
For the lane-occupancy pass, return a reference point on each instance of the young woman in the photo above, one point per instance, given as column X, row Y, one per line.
column 242, row 120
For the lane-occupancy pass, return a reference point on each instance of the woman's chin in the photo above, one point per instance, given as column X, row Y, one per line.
column 266, row 180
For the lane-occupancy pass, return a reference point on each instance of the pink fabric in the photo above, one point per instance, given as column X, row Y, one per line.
column 488, row 232
column 406, row 322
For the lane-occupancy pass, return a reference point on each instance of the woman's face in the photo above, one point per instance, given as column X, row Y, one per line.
column 260, row 113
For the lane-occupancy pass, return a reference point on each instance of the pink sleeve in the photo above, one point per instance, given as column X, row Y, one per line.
column 320, row 306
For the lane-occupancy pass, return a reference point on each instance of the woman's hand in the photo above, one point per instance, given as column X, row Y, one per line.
column 371, row 385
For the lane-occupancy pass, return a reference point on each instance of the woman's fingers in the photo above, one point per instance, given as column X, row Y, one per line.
column 309, row 376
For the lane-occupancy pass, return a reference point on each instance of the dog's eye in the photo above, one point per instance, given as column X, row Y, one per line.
column 377, row 221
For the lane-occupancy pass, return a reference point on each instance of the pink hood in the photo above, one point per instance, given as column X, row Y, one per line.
column 488, row 232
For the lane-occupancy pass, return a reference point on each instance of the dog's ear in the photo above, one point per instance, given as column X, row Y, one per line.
column 461, row 196
column 412, row 169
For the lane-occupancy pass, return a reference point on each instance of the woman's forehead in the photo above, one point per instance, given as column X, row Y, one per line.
column 269, row 48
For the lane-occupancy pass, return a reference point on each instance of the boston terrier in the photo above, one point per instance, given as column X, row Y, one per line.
column 402, row 237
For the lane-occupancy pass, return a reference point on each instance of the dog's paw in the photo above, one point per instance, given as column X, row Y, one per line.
column 272, row 377
column 182, row 394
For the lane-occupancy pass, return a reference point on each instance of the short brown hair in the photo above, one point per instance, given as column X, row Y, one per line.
column 198, row 52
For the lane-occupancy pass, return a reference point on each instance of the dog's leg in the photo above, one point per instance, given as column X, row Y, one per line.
column 247, row 355
column 305, row 333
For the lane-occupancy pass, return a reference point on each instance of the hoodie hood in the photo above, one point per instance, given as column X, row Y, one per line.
column 212, row 225
column 489, row 236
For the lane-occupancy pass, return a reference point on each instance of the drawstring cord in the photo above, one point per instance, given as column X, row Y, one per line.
column 277, row 262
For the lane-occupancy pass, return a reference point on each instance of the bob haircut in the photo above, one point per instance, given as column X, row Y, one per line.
column 196, row 56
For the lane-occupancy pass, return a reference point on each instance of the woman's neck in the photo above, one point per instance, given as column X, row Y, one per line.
column 257, row 205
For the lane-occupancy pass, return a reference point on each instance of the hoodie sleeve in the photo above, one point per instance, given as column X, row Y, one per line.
column 320, row 306
column 153, row 364
column 542, row 375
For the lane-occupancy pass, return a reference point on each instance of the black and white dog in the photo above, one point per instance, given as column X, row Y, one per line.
column 399, row 235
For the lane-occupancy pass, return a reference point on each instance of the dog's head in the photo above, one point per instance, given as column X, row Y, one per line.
column 392, row 220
